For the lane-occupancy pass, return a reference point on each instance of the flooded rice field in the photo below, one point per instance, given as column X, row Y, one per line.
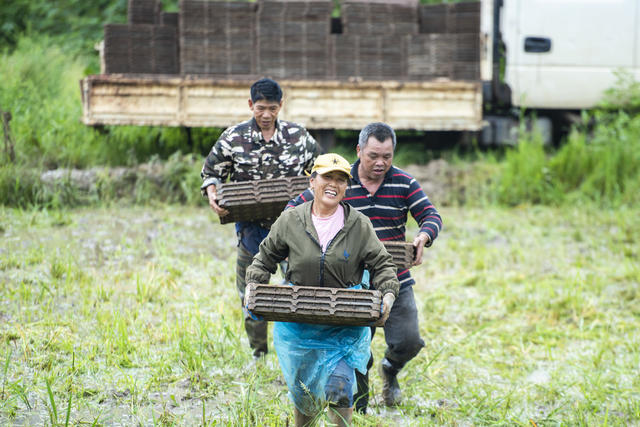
column 129, row 316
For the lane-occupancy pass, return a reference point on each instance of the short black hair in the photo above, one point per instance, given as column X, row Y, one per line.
column 380, row 131
column 266, row 89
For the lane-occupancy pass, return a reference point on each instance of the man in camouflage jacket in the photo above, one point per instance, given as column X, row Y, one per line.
column 260, row 148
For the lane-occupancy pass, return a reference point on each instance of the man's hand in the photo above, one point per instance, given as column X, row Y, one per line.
column 419, row 243
column 213, row 201
column 387, row 302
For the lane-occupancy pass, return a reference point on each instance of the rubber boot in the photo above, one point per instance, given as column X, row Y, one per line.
column 391, row 393
column 300, row 419
column 340, row 417
column 361, row 398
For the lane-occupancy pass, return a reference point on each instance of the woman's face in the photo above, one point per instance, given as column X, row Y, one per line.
column 329, row 189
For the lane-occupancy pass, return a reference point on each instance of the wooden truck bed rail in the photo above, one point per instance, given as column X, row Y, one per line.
column 170, row 100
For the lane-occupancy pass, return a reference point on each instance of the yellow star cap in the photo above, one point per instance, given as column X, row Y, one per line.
column 331, row 162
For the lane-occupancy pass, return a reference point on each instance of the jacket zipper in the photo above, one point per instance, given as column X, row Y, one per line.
column 321, row 279
column 322, row 258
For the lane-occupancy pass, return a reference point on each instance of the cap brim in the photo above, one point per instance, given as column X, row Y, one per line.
column 328, row 169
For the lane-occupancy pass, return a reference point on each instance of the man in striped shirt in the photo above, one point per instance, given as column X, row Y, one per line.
column 386, row 195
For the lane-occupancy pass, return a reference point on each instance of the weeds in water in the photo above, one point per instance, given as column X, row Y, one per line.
column 21, row 391
column 51, row 407
column 145, row 290
column 5, row 369
column 525, row 317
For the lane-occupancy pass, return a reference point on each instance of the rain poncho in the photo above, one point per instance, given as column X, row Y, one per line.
column 308, row 355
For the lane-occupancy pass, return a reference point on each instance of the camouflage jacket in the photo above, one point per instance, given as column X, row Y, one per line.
column 242, row 154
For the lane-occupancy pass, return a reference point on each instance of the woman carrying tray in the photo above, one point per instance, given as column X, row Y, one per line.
column 328, row 244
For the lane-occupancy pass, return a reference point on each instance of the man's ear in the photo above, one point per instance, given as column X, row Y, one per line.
column 358, row 150
column 250, row 104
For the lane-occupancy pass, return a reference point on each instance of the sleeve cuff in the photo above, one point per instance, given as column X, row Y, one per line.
column 389, row 287
column 207, row 182
column 429, row 242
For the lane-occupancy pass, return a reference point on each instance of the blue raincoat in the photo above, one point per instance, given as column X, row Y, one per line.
column 308, row 355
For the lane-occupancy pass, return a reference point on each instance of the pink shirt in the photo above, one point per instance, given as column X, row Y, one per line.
column 328, row 227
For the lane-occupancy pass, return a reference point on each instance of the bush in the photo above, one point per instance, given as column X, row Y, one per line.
column 79, row 24
column 599, row 163
column 605, row 165
column 525, row 175
column 18, row 186
column 40, row 89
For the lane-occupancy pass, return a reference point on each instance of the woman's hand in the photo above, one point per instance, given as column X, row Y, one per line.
column 387, row 302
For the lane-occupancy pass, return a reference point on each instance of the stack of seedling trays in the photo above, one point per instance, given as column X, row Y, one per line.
column 366, row 17
column 306, row 304
column 140, row 48
column 293, row 38
column 217, row 37
column 143, row 45
column 144, row 11
column 371, row 57
column 402, row 253
column 261, row 199
column 449, row 43
column 452, row 56
column 169, row 18
column 450, row 18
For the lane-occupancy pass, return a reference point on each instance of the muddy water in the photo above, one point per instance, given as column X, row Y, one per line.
column 117, row 243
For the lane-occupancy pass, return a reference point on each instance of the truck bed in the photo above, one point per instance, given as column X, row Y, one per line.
column 174, row 100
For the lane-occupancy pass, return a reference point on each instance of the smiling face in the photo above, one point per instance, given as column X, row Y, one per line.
column 375, row 158
column 265, row 112
column 329, row 190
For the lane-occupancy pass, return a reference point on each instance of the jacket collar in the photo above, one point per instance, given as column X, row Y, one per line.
column 304, row 214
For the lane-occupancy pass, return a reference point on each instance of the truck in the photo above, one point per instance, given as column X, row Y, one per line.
column 470, row 68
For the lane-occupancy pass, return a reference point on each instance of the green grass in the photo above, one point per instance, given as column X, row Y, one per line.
column 130, row 315
column 599, row 165
column 40, row 88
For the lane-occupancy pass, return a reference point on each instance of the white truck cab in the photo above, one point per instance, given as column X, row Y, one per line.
column 561, row 55
column 564, row 53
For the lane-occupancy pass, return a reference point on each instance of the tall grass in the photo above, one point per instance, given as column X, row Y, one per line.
column 39, row 86
column 525, row 175
column 600, row 161
column 604, row 166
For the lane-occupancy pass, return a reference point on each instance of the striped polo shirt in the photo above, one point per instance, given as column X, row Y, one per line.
column 398, row 195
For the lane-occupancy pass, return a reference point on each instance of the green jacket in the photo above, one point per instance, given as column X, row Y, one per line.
column 354, row 247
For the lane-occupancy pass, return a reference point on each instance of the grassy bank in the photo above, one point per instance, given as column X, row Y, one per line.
column 130, row 315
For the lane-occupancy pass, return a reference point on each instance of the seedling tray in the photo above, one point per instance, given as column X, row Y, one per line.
column 306, row 304
column 402, row 253
column 260, row 199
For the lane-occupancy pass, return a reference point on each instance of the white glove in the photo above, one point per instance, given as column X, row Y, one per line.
column 387, row 302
